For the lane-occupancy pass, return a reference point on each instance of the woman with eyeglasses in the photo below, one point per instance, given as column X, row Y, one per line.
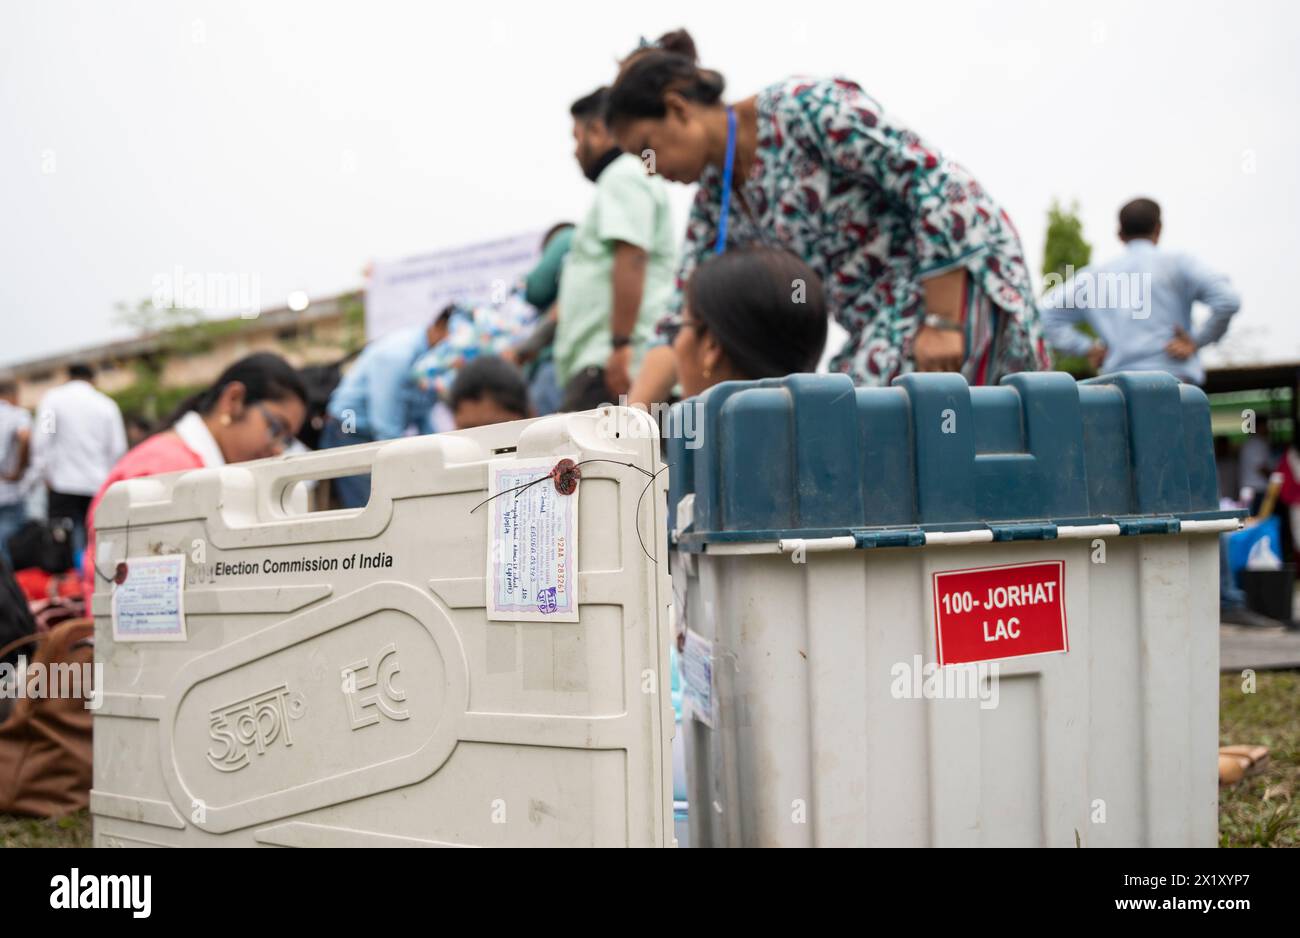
column 755, row 312
column 254, row 410
column 919, row 264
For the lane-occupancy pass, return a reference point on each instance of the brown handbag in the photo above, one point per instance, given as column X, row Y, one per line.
column 46, row 743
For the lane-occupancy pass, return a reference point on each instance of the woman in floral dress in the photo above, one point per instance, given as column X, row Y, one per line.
column 918, row 263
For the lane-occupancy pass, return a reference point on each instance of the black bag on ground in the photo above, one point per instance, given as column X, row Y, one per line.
column 16, row 620
column 1270, row 592
column 43, row 544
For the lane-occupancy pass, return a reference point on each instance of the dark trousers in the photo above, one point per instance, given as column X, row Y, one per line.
column 586, row 391
column 347, row 491
column 69, row 511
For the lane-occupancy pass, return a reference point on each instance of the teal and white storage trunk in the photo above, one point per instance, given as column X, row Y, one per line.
column 939, row 615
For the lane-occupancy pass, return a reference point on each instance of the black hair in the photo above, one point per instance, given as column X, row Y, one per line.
column 669, row 64
column 553, row 231
column 764, row 306
column 81, row 371
column 265, row 377
column 1139, row 218
column 8, row 386
column 444, row 316
column 492, row 377
column 591, row 106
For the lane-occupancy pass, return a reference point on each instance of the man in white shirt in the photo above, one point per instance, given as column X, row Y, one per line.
column 15, row 439
column 1255, row 463
column 78, row 437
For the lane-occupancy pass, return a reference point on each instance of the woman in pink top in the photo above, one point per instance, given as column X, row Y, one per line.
column 254, row 410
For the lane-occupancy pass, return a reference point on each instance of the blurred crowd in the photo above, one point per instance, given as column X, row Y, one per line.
column 813, row 202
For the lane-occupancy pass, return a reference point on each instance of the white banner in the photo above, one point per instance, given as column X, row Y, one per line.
column 411, row 291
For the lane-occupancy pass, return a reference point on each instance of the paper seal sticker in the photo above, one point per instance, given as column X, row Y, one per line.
column 532, row 568
column 697, row 674
column 148, row 605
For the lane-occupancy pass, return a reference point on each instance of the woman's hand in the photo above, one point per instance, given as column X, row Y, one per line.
column 938, row 349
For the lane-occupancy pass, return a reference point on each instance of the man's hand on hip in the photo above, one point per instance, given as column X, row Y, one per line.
column 1181, row 346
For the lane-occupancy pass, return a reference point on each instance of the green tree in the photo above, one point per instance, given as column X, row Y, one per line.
column 1065, row 246
column 354, row 320
column 1065, row 252
column 178, row 332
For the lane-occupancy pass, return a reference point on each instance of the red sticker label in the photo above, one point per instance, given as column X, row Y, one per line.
column 991, row 613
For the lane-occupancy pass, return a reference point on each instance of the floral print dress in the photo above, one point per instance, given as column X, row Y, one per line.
column 874, row 210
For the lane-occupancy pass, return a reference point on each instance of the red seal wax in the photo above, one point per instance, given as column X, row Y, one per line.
column 566, row 475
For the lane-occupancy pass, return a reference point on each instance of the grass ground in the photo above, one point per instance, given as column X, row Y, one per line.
column 1260, row 811
column 70, row 831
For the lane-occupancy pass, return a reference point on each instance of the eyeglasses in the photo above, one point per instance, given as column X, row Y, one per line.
column 278, row 428
column 672, row 330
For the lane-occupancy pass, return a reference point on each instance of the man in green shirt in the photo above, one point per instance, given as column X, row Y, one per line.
column 535, row 351
column 619, row 273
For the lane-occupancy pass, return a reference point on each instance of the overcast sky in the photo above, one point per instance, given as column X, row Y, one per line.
column 291, row 142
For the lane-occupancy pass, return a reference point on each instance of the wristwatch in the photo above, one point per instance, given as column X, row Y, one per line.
column 619, row 341
column 935, row 321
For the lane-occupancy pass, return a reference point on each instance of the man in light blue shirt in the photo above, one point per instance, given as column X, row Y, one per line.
column 1140, row 304
column 379, row 398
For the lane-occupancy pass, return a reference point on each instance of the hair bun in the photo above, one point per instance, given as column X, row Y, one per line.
column 679, row 42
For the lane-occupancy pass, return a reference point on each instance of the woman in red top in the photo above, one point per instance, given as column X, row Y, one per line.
column 254, row 410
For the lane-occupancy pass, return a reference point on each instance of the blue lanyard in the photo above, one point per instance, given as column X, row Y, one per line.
column 721, row 244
